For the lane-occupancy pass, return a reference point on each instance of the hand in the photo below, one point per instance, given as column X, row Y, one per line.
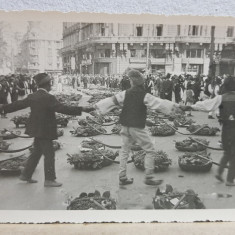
column 185, row 107
column 88, row 109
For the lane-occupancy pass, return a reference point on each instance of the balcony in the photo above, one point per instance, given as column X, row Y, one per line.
column 192, row 60
column 193, row 39
column 125, row 39
column 138, row 60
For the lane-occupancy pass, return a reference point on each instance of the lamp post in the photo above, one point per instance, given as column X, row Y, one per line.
column 212, row 51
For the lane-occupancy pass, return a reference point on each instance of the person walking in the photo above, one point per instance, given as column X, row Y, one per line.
column 134, row 103
column 167, row 87
column 226, row 105
column 42, row 126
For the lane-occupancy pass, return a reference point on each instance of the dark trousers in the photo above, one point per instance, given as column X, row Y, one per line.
column 228, row 157
column 228, row 142
column 41, row 147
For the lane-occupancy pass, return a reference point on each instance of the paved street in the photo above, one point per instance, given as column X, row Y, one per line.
column 18, row 195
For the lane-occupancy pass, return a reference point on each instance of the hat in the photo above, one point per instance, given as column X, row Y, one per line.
column 42, row 78
column 136, row 77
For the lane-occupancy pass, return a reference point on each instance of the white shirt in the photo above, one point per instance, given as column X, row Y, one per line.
column 106, row 105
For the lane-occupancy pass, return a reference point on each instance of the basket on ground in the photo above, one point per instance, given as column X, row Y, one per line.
column 92, row 160
column 161, row 163
column 189, row 145
column 173, row 199
column 194, row 163
column 93, row 201
column 162, row 130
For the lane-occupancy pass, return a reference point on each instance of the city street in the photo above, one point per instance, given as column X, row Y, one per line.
column 18, row 195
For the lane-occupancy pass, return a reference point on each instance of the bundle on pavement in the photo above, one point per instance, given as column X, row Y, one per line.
column 20, row 120
column 162, row 162
column 92, row 159
column 91, row 144
column 4, row 145
column 194, row 163
column 60, row 132
column 56, row 146
column 182, row 121
column 189, row 145
column 116, row 128
column 203, row 130
column 93, row 201
column 69, row 99
column 12, row 166
column 84, row 131
column 173, row 199
column 62, row 120
column 162, row 130
column 7, row 135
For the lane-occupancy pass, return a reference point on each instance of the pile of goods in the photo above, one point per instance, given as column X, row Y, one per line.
column 172, row 199
column 96, row 97
column 12, row 166
column 92, row 160
column 188, row 145
column 162, row 130
column 203, row 130
column 93, row 201
column 85, row 131
column 135, row 147
column 162, row 162
column 91, row 144
column 182, row 121
column 60, row 132
column 68, row 99
column 4, row 145
column 7, row 135
column 150, row 122
column 56, row 146
column 195, row 162
column 20, row 120
column 115, row 112
column 62, row 120
column 116, row 128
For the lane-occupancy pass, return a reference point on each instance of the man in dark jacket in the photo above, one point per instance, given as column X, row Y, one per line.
column 167, row 87
column 42, row 126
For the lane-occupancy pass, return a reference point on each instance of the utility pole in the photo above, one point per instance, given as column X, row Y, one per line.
column 147, row 56
column 212, row 50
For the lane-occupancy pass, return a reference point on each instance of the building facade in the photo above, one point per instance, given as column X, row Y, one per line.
column 100, row 48
column 39, row 50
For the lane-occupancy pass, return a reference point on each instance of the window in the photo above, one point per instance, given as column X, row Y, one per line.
column 139, row 31
column 107, row 53
column 159, row 29
column 194, row 53
column 133, row 52
column 230, row 31
column 193, row 30
column 102, row 30
column 157, row 53
column 178, row 30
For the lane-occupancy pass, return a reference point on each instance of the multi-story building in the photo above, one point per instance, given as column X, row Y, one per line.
column 110, row 48
column 40, row 49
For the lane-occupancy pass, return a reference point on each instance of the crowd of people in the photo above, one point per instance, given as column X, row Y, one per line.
column 137, row 92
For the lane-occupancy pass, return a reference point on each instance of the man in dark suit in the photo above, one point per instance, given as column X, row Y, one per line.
column 42, row 126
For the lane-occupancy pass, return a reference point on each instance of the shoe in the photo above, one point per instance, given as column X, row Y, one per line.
column 52, row 183
column 152, row 181
column 126, row 181
column 219, row 177
column 210, row 117
column 23, row 178
column 230, row 183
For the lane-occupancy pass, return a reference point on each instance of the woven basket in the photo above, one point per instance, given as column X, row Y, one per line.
column 197, row 166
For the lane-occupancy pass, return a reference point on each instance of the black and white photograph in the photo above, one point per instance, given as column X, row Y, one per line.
column 117, row 116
